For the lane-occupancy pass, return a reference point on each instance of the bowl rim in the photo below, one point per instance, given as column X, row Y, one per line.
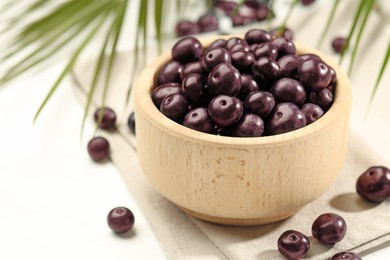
column 144, row 104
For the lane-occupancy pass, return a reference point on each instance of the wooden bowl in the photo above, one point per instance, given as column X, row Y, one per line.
column 235, row 180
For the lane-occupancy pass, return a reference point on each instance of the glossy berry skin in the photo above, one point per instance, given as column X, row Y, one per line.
column 174, row 107
column 329, row 228
column 240, row 47
column 185, row 28
column 323, row 99
column 374, row 184
column 224, row 79
column 198, row 119
column 120, row 219
column 250, row 125
column 314, row 74
column 108, row 120
column 339, row 44
column 248, row 85
column 208, row 23
column 193, row 87
column 312, row 112
column 215, row 56
column 260, row 103
column 257, row 36
column 231, row 42
column 346, row 256
column 266, row 50
column 288, row 90
column 242, row 60
column 218, row 43
column 284, row 118
column 266, row 69
column 187, row 49
column 170, row 72
column 225, row 110
column 309, row 55
column 293, row 245
column 284, row 46
column 98, row 148
column 195, row 67
column 164, row 90
column 131, row 122
column 289, row 65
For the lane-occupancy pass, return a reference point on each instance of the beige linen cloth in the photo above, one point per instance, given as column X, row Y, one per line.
column 183, row 237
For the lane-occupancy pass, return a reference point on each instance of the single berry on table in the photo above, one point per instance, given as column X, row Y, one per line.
column 293, row 245
column 329, row 228
column 346, row 256
column 339, row 44
column 98, row 148
column 374, row 184
column 108, row 118
column 131, row 122
column 120, row 219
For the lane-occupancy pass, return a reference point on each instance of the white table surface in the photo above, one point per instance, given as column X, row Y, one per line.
column 54, row 199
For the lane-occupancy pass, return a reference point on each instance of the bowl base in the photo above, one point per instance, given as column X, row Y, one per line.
column 238, row 221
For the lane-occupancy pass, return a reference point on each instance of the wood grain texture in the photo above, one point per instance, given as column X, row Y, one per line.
column 240, row 181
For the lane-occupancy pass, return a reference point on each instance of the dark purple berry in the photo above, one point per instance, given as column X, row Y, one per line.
column 248, row 85
column 195, row 67
column 174, row 107
column 250, row 125
column 164, row 90
column 131, row 122
column 231, row 42
column 208, row 23
column 193, row 87
column 218, row 43
column 289, row 65
column 293, row 245
column 262, row 12
column 314, row 74
column 374, row 184
column 323, row 99
column 108, row 118
column 339, row 44
column 284, row 118
column 226, row 6
column 120, row 219
column 329, row 228
column 288, row 90
column 260, row 103
column 266, row 50
column 333, row 74
column 198, row 119
column 224, row 79
column 346, row 256
column 312, row 112
column 98, row 148
column 215, row 56
column 284, row 46
column 307, row 2
column 266, row 69
column 223, row 131
column 240, row 47
column 242, row 60
column 257, row 36
column 185, row 28
column 225, row 110
column 187, row 49
column 239, row 20
column 170, row 72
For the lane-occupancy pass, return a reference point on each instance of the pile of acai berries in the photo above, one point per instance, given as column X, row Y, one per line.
column 247, row 87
